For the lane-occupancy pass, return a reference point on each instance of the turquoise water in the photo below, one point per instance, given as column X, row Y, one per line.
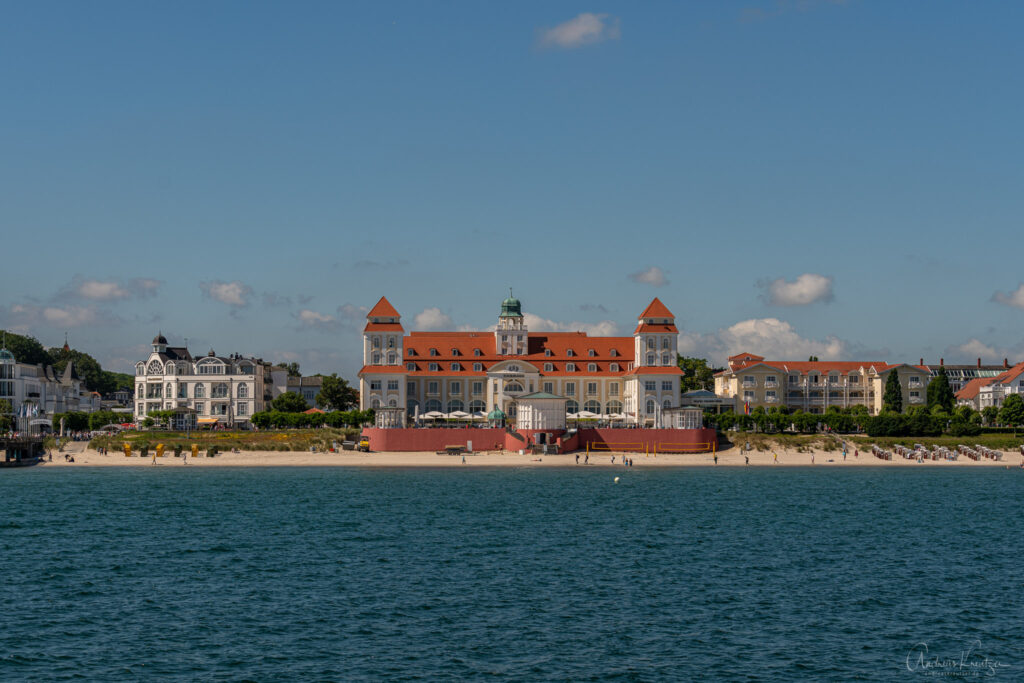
column 508, row 574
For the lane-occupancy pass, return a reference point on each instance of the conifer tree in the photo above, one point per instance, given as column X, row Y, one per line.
column 892, row 399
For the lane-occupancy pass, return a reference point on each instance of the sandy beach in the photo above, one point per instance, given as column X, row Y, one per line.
column 730, row 458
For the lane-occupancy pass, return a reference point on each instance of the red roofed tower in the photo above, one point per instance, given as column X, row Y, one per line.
column 381, row 381
column 654, row 381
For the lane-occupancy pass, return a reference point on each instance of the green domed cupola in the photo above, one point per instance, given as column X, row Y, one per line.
column 511, row 307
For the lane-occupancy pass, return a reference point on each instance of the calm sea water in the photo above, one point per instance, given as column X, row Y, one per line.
column 509, row 574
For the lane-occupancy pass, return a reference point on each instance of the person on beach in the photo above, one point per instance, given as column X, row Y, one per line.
column 577, row 458
column 463, row 458
column 775, row 456
column 855, row 452
column 716, row 458
column 812, row 458
column 613, row 459
column 586, row 459
column 747, row 457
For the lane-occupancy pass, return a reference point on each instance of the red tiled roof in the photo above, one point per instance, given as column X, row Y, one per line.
column 970, row 390
column 383, row 370
column 655, row 328
column 1011, row 374
column 743, row 356
column 656, row 309
column 384, row 327
column 844, row 367
column 383, row 309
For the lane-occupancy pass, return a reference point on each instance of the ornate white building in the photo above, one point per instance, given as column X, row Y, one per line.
column 225, row 390
column 476, row 372
column 38, row 392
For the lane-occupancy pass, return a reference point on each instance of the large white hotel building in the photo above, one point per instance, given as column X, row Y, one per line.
column 477, row 372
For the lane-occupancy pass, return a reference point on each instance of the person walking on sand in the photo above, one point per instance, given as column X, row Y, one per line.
column 775, row 457
column 586, row 459
column 577, row 458
column 747, row 457
column 716, row 458
column 463, row 458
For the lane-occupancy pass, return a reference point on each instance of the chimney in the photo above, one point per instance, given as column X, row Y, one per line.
column 921, row 362
column 1006, row 363
column 979, row 364
column 942, row 361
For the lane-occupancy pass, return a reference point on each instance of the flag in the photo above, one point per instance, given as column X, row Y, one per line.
column 746, row 407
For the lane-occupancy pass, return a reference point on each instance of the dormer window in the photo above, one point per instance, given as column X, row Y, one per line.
column 455, row 352
column 455, row 367
column 614, row 353
column 549, row 367
column 478, row 367
column 570, row 352
column 592, row 367
column 591, row 353
column 434, row 367
column 477, row 352
column 614, row 367
column 548, row 353
column 412, row 352
column 570, row 367
column 411, row 367
column 433, row 352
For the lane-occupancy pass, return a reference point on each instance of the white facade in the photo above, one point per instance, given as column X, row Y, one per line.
column 38, row 392
column 223, row 390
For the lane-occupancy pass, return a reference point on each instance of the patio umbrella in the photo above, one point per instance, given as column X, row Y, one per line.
column 458, row 415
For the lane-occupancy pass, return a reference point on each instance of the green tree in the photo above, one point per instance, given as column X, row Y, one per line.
column 289, row 402
column 6, row 415
column 990, row 414
column 812, row 359
column 25, row 349
column 697, row 374
column 336, row 394
column 1012, row 412
column 940, row 393
column 84, row 366
column 892, row 398
column 292, row 368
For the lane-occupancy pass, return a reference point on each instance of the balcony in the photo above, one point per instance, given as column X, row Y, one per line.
column 749, row 385
column 771, row 399
column 771, row 384
column 916, row 399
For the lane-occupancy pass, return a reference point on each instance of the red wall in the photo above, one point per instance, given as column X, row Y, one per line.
column 488, row 439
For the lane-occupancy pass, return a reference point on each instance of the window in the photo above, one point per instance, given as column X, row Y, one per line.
column 667, row 403
column 548, row 353
column 504, row 337
column 570, row 367
column 478, row 367
column 549, row 387
column 794, row 379
column 200, row 391
column 614, row 367
column 200, row 408
column 392, row 385
column 665, row 359
column 375, row 403
column 219, row 391
column 477, row 352
column 614, row 407
column 770, row 394
column 650, row 386
column 375, row 358
column 455, row 404
column 650, row 359
column 915, row 394
column 854, row 379
column 455, row 388
column 613, row 353
column 477, row 406
column 770, row 379
column 242, row 409
column 570, row 352
column 391, row 342
column 570, row 389
column 591, row 353
column 665, row 345
column 434, row 367
column 170, row 368
column 243, row 391
column 376, row 342
column 513, row 387
column 433, row 405
column 591, row 367
column 592, row 407
column 432, row 388
column 410, row 388
column 666, row 386
column 652, row 343
column 613, row 388
column 572, row 407
column 392, row 402
column 591, row 388
column 478, row 388
column 411, row 367
column 748, row 395
column 412, row 352
column 650, row 406
column 433, row 352
column 455, row 367
column 549, row 367
column 392, row 359
column 155, row 368
column 374, row 385
column 455, row 352
column 513, row 368
column 170, row 391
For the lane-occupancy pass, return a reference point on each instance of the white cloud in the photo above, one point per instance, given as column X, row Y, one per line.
column 1014, row 298
column 352, row 312
column 145, row 287
column 61, row 317
column 973, row 349
column 653, row 276
column 535, row 323
column 101, row 291
column 231, row 293
column 107, row 290
column 807, row 289
column 584, row 29
column 769, row 337
column 432, row 318
column 309, row 317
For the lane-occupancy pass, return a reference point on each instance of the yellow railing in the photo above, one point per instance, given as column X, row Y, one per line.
column 637, row 447
column 711, row 446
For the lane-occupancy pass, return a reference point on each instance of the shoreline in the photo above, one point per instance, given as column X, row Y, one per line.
column 730, row 458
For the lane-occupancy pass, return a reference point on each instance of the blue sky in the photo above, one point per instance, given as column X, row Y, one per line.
column 838, row 178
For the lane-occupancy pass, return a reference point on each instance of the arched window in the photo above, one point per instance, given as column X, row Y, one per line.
column 614, row 407
column 140, row 369
column 667, row 403
column 652, row 343
column 592, row 407
column 375, row 403
column 219, row 391
column 155, row 368
column 477, row 406
column 200, row 391
column 243, row 391
column 169, row 369
column 572, row 406
column 650, row 359
column 650, row 406
column 433, row 406
column 513, row 386
column 455, row 404
column 393, row 403
column 391, row 342
column 170, row 391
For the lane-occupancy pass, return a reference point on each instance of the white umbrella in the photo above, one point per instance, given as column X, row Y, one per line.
column 572, row 416
column 586, row 414
column 479, row 415
column 458, row 415
column 434, row 415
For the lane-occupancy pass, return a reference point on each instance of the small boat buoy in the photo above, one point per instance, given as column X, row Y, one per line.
column 616, row 480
